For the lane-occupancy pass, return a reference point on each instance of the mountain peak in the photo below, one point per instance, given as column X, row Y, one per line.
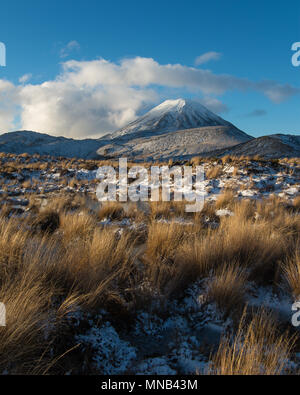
column 171, row 116
column 181, row 106
column 178, row 104
column 168, row 105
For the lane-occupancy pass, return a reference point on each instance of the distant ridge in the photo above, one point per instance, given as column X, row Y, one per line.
column 176, row 129
column 271, row 146
column 29, row 142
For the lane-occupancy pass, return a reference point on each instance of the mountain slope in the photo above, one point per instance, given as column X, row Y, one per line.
column 171, row 116
column 181, row 144
column 272, row 146
column 177, row 129
column 43, row 144
column 176, row 145
column 174, row 129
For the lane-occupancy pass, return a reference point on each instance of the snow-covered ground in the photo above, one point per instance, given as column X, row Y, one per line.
column 178, row 338
column 247, row 179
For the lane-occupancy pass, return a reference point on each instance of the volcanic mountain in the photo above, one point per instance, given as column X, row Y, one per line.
column 174, row 129
column 171, row 116
column 177, row 129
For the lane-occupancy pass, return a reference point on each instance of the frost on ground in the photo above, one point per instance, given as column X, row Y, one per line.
column 110, row 354
column 144, row 328
column 180, row 341
column 24, row 176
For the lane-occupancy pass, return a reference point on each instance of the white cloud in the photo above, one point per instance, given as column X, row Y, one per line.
column 214, row 105
column 64, row 108
column 91, row 98
column 69, row 48
column 8, row 105
column 207, row 57
column 143, row 72
column 25, row 78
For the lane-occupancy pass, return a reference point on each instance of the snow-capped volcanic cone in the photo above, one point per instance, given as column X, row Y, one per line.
column 174, row 129
column 171, row 116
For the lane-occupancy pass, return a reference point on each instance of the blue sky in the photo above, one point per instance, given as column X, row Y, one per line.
column 246, row 40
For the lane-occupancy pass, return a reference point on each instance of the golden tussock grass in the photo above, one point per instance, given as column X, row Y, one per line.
column 93, row 265
column 171, row 209
column 235, row 171
column 43, row 278
column 45, row 221
column 256, row 349
column 225, row 200
column 214, row 172
column 60, row 259
column 291, row 271
column 166, row 271
column 111, row 210
column 163, row 241
column 255, row 245
column 296, row 202
column 66, row 202
column 227, row 288
column 76, row 226
column 22, row 340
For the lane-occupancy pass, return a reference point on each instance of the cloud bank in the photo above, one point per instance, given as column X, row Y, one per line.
column 91, row 98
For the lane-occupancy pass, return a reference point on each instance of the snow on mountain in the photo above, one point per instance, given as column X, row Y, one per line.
column 181, row 144
column 177, row 129
column 174, row 129
column 170, row 116
column 272, row 146
column 43, row 144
